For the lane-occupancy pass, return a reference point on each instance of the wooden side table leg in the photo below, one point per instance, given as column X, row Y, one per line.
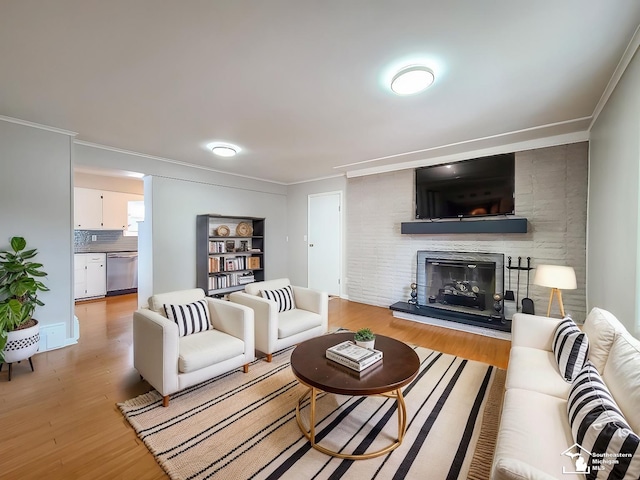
column 31, row 363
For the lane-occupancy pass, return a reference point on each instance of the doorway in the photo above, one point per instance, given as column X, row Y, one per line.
column 324, row 248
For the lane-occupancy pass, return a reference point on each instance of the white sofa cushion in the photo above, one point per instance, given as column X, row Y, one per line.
column 254, row 288
column 190, row 317
column 157, row 301
column 570, row 347
column 535, row 370
column 282, row 296
column 534, row 430
column 296, row 321
column 622, row 376
column 601, row 328
column 598, row 426
column 511, row 469
column 196, row 351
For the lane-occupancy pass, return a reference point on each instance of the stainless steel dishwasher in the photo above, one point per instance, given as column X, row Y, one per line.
column 122, row 273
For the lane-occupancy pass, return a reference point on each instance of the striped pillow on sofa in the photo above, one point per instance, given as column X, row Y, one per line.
column 570, row 347
column 190, row 318
column 599, row 427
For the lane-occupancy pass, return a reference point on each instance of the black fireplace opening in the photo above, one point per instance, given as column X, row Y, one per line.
column 461, row 286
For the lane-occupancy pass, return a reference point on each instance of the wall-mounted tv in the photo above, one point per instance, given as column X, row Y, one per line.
column 478, row 187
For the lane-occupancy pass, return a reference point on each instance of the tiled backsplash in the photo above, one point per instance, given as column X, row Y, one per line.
column 106, row 241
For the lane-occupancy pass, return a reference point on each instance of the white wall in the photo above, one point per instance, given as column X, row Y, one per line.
column 297, row 212
column 174, row 207
column 36, row 203
column 551, row 192
column 614, row 194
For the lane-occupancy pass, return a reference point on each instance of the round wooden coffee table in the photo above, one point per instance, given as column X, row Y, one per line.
column 399, row 366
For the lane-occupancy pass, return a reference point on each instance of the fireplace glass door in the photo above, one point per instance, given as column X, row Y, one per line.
column 461, row 286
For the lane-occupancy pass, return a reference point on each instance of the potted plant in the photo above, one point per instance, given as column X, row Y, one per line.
column 365, row 338
column 19, row 287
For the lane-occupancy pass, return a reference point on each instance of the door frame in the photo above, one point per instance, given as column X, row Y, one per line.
column 340, row 194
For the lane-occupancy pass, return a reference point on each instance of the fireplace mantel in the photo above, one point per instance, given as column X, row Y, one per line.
column 466, row 225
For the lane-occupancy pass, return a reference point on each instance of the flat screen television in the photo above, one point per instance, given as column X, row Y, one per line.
column 470, row 188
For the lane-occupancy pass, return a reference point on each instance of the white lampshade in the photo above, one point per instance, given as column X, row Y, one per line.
column 556, row 276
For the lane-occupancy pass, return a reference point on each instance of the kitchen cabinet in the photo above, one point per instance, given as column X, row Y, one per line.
column 102, row 210
column 114, row 210
column 90, row 275
column 87, row 213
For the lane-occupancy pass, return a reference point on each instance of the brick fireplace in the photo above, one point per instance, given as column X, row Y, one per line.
column 459, row 287
column 550, row 192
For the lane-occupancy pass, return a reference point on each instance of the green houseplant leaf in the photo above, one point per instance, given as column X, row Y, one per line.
column 18, row 287
column 364, row 335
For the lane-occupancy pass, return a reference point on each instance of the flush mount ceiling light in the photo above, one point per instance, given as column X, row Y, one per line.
column 224, row 149
column 412, row 79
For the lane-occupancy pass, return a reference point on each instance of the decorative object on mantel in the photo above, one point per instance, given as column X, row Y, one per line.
column 244, row 229
column 365, row 338
column 497, row 303
column 414, row 294
column 558, row 278
column 19, row 287
column 223, row 231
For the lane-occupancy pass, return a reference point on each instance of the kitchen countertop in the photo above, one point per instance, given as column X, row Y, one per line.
column 105, row 251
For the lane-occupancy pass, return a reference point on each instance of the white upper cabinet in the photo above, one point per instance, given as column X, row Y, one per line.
column 114, row 210
column 88, row 209
column 102, row 210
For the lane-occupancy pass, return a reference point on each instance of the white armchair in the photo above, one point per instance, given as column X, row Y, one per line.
column 170, row 362
column 276, row 330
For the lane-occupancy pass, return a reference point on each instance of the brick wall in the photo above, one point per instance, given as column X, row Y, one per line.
column 551, row 192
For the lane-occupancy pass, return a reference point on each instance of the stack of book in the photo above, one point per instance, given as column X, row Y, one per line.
column 353, row 356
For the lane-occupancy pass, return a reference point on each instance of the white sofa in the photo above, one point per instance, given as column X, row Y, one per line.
column 277, row 330
column 170, row 362
column 534, row 427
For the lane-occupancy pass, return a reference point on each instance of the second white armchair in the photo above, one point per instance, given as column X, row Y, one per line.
column 284, row 314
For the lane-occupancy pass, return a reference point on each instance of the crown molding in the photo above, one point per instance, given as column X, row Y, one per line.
column 38, row 125
column 174, row 162
column 550, row 141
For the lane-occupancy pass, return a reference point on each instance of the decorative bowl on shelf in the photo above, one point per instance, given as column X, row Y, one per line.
column 223, row 231
column 244, row 229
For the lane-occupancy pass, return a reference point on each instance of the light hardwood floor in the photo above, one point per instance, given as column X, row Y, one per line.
column 62, row 422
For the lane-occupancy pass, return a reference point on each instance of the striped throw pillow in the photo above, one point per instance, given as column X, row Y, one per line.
column 598, row 426
column 282, row 296
column 570, row 347
column 190, row 318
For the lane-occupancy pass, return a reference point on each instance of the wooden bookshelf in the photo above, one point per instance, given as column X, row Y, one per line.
column 229, row 253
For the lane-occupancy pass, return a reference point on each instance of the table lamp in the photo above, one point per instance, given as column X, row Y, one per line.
column 558, row 278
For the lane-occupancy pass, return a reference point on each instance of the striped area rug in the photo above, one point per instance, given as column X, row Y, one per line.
column 242, row 426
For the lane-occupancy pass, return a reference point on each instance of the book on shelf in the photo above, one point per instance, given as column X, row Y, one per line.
column 353, row 356
column 253, row 262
